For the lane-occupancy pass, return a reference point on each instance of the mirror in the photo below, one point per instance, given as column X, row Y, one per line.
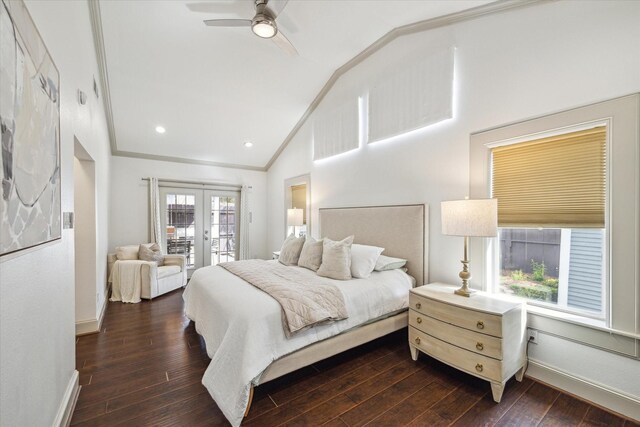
column 297, row 196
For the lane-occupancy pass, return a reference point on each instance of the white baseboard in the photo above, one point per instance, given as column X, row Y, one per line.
column 616, row 401
column 68, row 404
column 92, row 326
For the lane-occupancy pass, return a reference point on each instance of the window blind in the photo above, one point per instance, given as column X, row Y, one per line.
column 417, row 92
column 559, row 181
column 335, row 130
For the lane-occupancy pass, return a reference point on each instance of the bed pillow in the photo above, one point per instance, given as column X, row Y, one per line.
column 336, row 259
column 290, row 251
column 363, row 260
column 311, row 254
column 385, row 263
column 151, row 253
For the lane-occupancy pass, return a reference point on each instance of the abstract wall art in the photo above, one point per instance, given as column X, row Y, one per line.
column 30, row 125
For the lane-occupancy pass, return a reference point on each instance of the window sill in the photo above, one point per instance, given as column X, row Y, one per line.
column 575, row 319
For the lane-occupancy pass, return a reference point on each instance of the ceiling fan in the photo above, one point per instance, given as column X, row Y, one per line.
column 263, row 24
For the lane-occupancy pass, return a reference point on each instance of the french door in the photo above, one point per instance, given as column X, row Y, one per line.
column 200, row 224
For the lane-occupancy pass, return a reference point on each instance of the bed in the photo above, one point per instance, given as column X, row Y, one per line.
column 242, row 326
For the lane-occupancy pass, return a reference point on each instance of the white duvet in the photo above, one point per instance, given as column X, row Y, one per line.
column 242, row 326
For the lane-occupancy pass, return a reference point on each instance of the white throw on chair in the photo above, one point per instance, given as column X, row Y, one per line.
column 144, row 279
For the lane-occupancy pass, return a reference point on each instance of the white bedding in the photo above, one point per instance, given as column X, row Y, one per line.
column 242, row 326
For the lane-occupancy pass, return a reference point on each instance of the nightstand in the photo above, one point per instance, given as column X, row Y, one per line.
column 480, row 335
column 275, row 254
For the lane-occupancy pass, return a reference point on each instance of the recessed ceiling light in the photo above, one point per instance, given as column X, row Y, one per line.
column 160, row 129
column 248, row 144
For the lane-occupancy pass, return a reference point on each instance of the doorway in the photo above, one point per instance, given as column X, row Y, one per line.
column 87, row 286
column 200, row 224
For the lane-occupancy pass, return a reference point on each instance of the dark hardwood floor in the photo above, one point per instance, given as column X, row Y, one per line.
column 145, row 368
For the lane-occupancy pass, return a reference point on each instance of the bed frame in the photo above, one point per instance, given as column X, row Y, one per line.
column 403, row 231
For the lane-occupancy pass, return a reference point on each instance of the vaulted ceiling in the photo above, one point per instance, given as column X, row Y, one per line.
column 213, row 89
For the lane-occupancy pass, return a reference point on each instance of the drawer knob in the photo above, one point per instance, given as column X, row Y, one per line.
column 418, row 305
column 479, row 367
column 419, row 320
column 480, row 324
column 480, row 346
column 417, row 340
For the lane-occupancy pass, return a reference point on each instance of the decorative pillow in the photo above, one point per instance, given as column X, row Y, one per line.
column 290, row 251
column 363, row 260
column 311, row 255
column 151, row 253
column 336, row 259
column 385, row 263
column 128, row 252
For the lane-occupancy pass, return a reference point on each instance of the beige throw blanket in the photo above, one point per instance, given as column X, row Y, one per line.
column 126, row 281
column 305, row 301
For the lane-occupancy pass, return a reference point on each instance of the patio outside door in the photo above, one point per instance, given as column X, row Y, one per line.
column 200, row 224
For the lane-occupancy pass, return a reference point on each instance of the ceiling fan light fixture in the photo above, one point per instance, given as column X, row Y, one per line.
column 263, row 26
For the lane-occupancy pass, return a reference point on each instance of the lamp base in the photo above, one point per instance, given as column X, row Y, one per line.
column 464, row 275
column 464, row 291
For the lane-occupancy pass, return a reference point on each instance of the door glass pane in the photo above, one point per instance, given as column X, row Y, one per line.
column 223, row 230
column 181, row 226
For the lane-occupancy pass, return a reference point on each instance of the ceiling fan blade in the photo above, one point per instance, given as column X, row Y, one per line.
column 276, row 6
column 284, row 43
column 227, row 22
column 238, row 8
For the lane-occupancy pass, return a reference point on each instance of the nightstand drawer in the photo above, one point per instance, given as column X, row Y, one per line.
column 469, row 340
column 449, row 313
column 475, row 364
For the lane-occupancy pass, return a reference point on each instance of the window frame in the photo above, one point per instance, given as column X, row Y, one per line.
column 622, row 219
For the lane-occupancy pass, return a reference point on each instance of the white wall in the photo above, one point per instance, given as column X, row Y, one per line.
column 37, row 333
column 129, row 210
column 509, row 67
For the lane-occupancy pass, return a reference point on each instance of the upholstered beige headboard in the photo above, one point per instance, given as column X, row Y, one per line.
column 402, row 230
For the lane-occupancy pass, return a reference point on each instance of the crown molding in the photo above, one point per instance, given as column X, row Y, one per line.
column 429, row 24
column 101, row 56
column 186, row 160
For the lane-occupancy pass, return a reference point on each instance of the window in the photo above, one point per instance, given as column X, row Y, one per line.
column 588, row 241
column 335, row 129
column 559, row 268
column 551, row 213
column 413, row 92
column 181, row 225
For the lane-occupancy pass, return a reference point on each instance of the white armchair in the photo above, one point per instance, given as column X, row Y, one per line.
column 154, row 280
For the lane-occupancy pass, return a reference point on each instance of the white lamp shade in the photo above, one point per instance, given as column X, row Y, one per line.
column 473, row 218
column 294, row 217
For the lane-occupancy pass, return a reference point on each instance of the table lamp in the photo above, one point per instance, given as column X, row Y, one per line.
column 469, row 218
column 294, row 218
